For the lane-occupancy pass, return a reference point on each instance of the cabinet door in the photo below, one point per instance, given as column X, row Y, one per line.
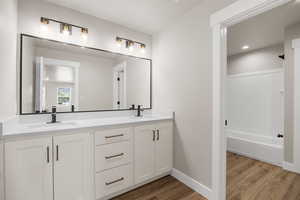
column 28, row 169
column 72, row 167
column 164, row 148
column 144, row 139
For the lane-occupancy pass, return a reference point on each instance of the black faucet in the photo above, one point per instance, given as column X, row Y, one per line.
column 132, row 107
column 139, row 111
column 53, row 115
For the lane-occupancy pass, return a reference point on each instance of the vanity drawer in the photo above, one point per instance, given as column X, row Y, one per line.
column 112, row 136
column 114, row 180
column 113, row 155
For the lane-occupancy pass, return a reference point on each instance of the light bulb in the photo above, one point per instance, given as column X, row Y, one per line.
column 65, row 29
column 131, row 48
column 129, row 45
column 143, row 48
column 119, row 42
column 44, row 24
column 65, row 32
column 84, row 33
column 44, row 28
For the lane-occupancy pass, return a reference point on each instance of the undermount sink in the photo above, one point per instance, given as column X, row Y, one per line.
column 46, row 125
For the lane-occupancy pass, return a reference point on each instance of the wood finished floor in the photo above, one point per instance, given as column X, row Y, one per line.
column 247, row 179
column 167, row 188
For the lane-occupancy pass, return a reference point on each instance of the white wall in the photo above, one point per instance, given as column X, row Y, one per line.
column 182, row 67
column 8, row 49
column 291, row 32
column 256, row 60
column 254, row 104
column 102, row 34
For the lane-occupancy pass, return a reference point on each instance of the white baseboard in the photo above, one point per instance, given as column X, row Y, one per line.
column 272, row 154
column 193, row 184
column 289, row 167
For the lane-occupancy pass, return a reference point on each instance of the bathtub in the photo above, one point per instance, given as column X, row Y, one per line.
column 263, row 148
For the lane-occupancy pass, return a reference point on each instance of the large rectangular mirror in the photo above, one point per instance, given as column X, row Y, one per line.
column 80, row 79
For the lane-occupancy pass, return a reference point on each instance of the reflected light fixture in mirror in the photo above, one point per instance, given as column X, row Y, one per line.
column 44, row 24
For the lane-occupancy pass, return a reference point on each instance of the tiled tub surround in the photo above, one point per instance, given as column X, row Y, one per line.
column 100, row 155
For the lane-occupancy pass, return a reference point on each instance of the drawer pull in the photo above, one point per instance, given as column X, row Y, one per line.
column 48, row 154
column 153, row 132
column 57, row 153
column 114, row 156
column 116, row 181
column 114, row 136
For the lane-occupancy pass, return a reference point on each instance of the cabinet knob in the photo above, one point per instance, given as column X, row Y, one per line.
column 157, row 135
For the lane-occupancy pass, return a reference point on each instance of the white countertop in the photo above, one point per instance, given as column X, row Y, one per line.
column 15, row 129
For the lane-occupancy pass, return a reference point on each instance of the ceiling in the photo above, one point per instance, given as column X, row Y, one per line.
column 148, row 16
column 263, row 30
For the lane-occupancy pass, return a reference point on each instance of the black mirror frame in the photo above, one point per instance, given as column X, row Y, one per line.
column 22, row 35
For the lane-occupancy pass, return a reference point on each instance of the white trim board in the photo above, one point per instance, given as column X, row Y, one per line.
column 258, row 151
column 296, row 43
column 191, row 183
column 244, row 9
column 289, row 167
column 279, row 70
column 296, row 148
column 219, row 21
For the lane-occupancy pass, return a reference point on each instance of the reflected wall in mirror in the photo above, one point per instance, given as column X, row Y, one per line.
column 75, row 78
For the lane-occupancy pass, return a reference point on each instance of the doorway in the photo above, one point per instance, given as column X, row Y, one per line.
column 220, row 21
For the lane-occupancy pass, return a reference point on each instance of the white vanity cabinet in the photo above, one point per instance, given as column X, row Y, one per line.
column 28, row 170
column 113, row 160
column 153, row 150
column 38, row 168
column 94, row 163
column 72, row 167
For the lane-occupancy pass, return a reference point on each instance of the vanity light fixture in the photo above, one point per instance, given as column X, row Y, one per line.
column 130, row 44
column 65, row 28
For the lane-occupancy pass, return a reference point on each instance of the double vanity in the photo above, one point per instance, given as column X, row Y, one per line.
column 99, row 144
column 88, row 159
